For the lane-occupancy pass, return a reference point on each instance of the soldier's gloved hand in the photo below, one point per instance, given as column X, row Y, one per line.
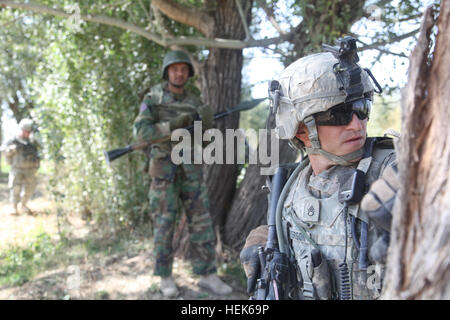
column 378, row 202
column 249, row 255
column 181, row 121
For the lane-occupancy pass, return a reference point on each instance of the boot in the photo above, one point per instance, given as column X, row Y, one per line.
column 168, row 287
column 14, row 211
column 213, row 283
column 26, row 209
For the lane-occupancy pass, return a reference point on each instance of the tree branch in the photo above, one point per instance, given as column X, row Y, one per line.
column 381, row 43
column 180, row 41
column 196, row 18
column 244, row 22
column 381, row 50
column 159, row 23
column 13, row 21
column 97, row 19
column 271, row 16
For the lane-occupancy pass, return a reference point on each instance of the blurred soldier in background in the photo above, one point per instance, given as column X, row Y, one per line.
column 22, row 153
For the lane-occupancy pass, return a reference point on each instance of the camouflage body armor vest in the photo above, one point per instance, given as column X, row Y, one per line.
column 26, row 156
column 165, row 106
column 313, row 220
column 162, row 106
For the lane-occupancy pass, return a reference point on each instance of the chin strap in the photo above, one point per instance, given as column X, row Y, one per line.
column 344, row 160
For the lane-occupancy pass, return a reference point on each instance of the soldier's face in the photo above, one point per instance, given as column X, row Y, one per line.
column 26, row 134
column 178, row 74
column 339, row 140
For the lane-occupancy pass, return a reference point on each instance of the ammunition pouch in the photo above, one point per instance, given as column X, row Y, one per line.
column 315, row 276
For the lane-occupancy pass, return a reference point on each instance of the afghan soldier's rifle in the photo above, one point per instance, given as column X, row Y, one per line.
column 117, row 153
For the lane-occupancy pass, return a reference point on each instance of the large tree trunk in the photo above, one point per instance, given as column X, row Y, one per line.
column 221, row 88
column 419, row 255
column 220, row 83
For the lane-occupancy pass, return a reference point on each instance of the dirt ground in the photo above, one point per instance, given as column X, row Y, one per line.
column 121, row 276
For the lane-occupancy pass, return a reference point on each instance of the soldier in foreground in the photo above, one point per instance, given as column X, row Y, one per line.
column 22, row 153
column 169, row 106
column 334, row 249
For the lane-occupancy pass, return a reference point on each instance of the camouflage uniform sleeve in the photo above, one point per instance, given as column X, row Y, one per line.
column 147, row 126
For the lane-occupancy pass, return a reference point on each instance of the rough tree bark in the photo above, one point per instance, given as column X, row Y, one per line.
column 221, row 88
column 419, row 255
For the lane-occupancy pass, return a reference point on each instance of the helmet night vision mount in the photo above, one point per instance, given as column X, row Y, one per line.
column 347, row 70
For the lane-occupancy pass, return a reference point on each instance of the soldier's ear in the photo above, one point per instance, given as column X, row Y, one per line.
column 302, row 134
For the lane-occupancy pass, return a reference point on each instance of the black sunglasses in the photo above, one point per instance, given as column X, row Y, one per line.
column 342, row 114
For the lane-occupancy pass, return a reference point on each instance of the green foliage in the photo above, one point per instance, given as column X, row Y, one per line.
column 81, row 110
column 234, row 270
column 385, row 115
column 102, row 295
column 21, row 41
column 255, row 118
column 20, row 264
column 90, row 86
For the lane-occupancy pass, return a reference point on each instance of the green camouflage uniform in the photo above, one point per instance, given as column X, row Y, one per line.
column 24, row 161
column 172, row 184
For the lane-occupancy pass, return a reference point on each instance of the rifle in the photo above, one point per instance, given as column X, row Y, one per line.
column 274, row 265
column 117, row 153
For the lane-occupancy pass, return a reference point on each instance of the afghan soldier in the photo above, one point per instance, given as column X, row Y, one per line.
column 22, row 153
column 169, row 106
column 337, row 248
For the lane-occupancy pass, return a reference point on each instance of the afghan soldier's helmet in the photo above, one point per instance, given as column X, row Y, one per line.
column 308, row 86
column 26, row 124
column 173, row 57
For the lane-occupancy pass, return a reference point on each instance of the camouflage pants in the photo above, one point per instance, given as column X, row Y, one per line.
column 165, row 196
column 21, row 181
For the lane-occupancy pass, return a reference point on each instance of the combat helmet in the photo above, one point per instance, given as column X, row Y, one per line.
column 26, row 124
column 316, row 83
column 176, row 56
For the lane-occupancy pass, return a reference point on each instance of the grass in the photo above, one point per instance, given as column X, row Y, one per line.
column 20, row 264
column 233, row 269
column 42, row 252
